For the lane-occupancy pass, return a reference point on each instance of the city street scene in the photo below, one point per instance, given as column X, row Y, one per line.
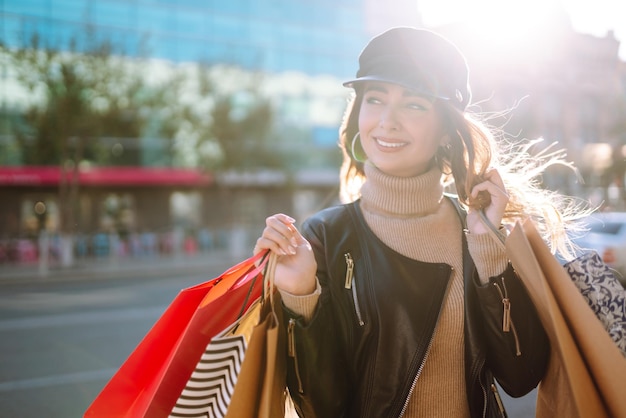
column 64, row 337
column 144, row 144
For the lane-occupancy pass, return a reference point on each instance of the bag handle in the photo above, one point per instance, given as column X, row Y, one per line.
column 266, row 266
column 491, row 228
column 233, row 277
column 268, row 277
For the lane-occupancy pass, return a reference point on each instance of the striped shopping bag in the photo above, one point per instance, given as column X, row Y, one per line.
column 242, row 372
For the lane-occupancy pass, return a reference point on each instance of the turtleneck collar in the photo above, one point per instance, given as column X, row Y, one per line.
column 401, row 196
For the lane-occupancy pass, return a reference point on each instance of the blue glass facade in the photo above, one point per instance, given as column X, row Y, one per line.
column 318, row 37
column 313, row 37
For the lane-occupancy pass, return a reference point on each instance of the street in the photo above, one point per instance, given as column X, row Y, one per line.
column 60, row 342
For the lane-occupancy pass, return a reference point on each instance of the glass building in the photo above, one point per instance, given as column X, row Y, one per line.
column 306, row 47
column 313, row 37
column 292, row 37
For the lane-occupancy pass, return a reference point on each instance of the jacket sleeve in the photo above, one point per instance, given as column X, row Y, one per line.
column 317, row 372
column 518, row 348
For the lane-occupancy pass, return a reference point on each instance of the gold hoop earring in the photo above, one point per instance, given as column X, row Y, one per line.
column 353, row 151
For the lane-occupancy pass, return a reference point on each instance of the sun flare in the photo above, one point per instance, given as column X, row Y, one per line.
column 517, row 25
column 525, row 24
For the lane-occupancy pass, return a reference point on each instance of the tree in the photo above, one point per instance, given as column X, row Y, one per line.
column 59, row 124
column 75, row 98
column 80, row 102
column 242, row 133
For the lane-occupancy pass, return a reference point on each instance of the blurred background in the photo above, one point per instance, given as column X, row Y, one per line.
column 142, row 127
column 150, row 139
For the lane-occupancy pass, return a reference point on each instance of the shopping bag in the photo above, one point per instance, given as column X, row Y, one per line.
column 586, row 373
column 260, row 391
column 152, row 377
column 605, row 295
column 242, row 372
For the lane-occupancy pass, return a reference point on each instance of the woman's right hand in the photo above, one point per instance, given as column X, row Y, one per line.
column 296, row 265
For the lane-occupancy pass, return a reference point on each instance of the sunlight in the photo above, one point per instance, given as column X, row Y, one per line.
column 595, row 17
column 521, row 22
column 523, row 25
column 516, row 25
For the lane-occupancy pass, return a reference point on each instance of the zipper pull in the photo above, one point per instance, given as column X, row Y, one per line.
column 349, row 270
column 291, row 339
column 506, row 305
column 507, row 321
column 506, row 316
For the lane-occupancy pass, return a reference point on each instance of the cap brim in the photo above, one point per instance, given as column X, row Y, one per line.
column 418, row 89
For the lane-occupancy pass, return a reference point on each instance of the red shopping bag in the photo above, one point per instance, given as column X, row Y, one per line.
column 149, row 382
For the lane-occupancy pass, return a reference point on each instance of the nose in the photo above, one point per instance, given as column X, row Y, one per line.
column 388, row 118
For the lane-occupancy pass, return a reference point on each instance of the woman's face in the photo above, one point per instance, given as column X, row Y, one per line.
column 400, row 130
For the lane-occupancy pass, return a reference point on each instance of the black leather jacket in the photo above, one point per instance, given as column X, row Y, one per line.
column 363, row 350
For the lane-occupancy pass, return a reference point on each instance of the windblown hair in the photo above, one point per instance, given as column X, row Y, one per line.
column 474, row 148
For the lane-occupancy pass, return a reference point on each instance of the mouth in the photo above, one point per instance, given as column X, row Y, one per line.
column 386, row 143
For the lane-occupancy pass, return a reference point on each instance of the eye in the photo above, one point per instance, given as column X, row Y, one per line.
column 372, row 99
column 420, row 104
column 417, row 106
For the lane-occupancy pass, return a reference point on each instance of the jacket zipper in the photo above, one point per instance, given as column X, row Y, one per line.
column 291, row 334
column 350, row 283
column 291, row 348
column 482, row 387
column 430, row 343
column 507, row 321
column 494, row 389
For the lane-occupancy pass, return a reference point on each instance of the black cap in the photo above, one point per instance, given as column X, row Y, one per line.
column 417, row 59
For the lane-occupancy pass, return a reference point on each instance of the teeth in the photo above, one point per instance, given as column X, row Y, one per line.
column 390, row 144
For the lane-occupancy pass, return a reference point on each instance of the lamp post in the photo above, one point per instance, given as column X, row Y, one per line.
column 43, row 241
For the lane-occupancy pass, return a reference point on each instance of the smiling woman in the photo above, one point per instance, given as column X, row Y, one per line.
column 403, row 278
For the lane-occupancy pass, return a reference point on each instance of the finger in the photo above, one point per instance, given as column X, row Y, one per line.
column 286, row 219
column 284, row 227
column 282, row 235
column 282, row 223
column 299, row 238
column 269, row 243
column 490, row 188
column 494, row 176
column 493, row 184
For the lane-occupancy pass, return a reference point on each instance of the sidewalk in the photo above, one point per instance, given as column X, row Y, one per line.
column 211, row 262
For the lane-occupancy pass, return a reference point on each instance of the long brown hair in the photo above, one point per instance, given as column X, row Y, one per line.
column 474, row 147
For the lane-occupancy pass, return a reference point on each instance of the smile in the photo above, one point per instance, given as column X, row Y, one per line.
column 387, row 144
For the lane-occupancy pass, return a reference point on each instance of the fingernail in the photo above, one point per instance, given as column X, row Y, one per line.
column 293, row 241
column 292, row 250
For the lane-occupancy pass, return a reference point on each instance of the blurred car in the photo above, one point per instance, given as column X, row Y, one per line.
column 607, row 236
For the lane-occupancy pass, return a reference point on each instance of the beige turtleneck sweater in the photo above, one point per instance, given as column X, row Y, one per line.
column 412, row 217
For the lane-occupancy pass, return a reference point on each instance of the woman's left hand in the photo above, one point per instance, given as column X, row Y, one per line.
column 493, row 199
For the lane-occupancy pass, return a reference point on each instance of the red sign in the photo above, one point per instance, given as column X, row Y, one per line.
column 105, row 176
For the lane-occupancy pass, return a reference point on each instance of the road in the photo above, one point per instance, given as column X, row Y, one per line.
column 60, row 342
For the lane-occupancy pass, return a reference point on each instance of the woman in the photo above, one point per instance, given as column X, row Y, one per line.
column 400, row 303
